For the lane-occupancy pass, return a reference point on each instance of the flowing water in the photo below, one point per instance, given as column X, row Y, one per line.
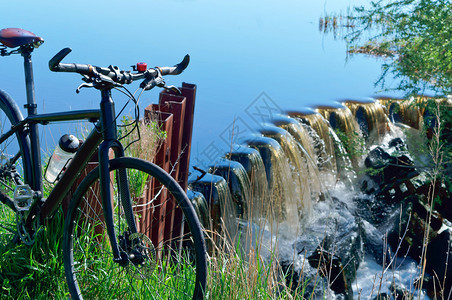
column 371, row 118
column 296, row 181
column 308, row 161
column 284, row 206
column 222, row 211
column 238, row 181
column 253, row 164
column 298, row 167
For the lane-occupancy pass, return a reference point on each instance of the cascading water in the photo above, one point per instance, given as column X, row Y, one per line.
column 295, row 128
column 201, row 207
column 403, row 111
column 222, row 210
column 336, row 165
column 306, row 151
column 343, row 122
column 371, row 118
column 237, row 179
column 298, row 167
column 308, row 163
column 283, row 207
column 407, row 116
column 319, row 131
column 252, row 162
column 347, row 173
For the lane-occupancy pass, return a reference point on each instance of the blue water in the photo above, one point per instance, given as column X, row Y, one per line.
column 239, row 50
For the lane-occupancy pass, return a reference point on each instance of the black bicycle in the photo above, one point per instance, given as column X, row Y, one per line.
column 113, row 234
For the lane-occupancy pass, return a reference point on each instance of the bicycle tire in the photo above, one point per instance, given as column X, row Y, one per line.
column 166, row 266
column 16, row 146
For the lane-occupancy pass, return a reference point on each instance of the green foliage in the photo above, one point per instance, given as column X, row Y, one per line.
column 242, row 275
column 415, row 37
column 35, row 272
column 140, row 138
column 438, row 121
column 354, row 144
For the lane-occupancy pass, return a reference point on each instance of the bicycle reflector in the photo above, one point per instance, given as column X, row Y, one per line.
column 141, row 67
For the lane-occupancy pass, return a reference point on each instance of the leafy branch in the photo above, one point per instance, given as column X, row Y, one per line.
column 413, row 36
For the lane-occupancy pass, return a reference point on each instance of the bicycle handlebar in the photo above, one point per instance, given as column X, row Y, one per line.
column 114, row 73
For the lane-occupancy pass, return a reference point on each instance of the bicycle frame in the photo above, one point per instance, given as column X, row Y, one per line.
column 102, row 138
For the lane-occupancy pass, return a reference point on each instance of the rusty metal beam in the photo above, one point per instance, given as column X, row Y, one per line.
column 189, row 92
column 158, row 216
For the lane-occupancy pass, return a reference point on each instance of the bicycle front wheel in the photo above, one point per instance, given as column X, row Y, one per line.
column 165, row 257
column 15, row 165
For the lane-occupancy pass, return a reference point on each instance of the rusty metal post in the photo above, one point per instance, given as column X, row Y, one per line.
column 158, row 216
column 175, row 156
column 183, row 152
column 176, row 105
column 189, row 92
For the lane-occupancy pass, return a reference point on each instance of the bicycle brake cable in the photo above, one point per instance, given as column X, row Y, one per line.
column 136, row 119
column 136, row 122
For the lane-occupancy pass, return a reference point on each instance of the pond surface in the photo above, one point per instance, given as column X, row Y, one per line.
column 242, row 53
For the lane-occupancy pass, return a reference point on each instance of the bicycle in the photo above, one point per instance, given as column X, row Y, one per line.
column 105, row 226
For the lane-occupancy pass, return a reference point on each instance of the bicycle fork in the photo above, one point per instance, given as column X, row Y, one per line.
column 109, row 132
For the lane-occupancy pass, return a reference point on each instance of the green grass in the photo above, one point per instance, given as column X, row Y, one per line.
column 99, row 277
column 37, row 272
column 34, row 272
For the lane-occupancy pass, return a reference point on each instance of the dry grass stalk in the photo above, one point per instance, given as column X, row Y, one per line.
column 144, row 140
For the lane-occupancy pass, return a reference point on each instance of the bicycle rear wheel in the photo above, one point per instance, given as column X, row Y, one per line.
column 15, row 165
column 165, row 256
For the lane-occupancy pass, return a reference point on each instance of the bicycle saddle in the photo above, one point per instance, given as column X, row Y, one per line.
column 15, row 37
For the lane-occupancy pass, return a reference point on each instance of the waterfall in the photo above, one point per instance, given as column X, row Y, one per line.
column 201, row 207
column 283, row 208
column 298, row 167
column 275, row 176
column 222, row 211
column 319, row 131
column 343, row 122
column 344, row 163
column 237, row 179
column 403, row 111
column 253, row 164
column 371, row 118
column 290, row 187
column 306, row 150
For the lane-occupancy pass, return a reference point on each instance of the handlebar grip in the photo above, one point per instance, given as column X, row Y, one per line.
column 54, row 62
column 177, row 69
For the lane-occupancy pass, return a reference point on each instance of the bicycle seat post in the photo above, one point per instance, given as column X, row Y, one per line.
column 32, row 109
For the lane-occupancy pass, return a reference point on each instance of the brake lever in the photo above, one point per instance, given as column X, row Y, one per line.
column 100, row 79
column 84, row 85
column 173, row 88
column 158, row 80
column 149, row 84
